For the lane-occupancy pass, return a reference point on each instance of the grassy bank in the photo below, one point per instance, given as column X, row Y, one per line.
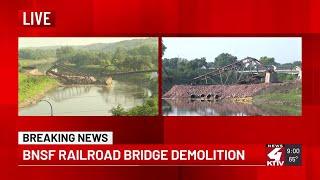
column 291, row 97
column 289, row 101
column 31, row 88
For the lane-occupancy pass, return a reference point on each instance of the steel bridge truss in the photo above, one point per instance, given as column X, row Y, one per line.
column 73, row 76
column 69, row 75
column 245, row 71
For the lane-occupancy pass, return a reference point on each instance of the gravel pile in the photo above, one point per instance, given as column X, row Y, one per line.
column 223, row 91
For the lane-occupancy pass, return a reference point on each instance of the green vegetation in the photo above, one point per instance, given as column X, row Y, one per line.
column 136, row 54
column 31, row 62
column 289, row 102
column 148, row 108
column 268, row 61
column 32, row 87
column 139, row 58
column 286, row 77
column 36, row 54
column 126, row 44
column 223, row 60
column 180, row 71
column 96, row 59
column 291, row 97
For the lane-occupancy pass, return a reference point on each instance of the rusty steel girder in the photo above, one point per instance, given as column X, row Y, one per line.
column 246, row 71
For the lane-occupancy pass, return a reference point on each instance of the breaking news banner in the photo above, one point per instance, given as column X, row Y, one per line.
column 65, row 137
column 94, row 148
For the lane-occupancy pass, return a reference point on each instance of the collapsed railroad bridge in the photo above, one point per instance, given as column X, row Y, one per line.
column 241, row 79
column 68, row 75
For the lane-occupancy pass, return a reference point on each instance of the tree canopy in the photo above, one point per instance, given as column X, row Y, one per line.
column 268, row 61
column 36, row 54
column 224, row 59
column 140, row 58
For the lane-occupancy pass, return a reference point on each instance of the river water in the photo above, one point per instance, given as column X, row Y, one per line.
column 88, row 100
column 188, row 107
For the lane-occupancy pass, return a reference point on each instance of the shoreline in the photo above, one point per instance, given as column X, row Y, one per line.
column 36, row 98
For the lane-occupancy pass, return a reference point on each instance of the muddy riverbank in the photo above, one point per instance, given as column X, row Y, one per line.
column 254, row 99
column 228, row 91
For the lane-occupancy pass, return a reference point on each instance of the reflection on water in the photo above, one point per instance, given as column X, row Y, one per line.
column 88, row 100
column 188, row 107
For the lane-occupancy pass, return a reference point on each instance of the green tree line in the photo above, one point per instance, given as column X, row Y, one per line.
column 139, row 58
column 36, row 54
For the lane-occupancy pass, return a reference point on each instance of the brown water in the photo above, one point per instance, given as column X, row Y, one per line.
column 188, row 107
column 88, row 100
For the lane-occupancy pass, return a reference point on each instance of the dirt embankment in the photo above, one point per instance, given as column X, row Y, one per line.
column 227, row 91
column 223, row 91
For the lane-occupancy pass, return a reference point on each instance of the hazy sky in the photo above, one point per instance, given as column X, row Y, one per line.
column 282, row 49
column 67, row 41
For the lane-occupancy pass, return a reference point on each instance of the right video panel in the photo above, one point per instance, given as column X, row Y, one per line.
column 232, row 76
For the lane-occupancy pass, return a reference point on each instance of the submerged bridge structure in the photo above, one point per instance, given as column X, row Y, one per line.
column 72, row 76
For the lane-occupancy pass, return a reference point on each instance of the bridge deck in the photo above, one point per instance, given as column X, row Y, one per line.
column 286, row 71
column 130, row 72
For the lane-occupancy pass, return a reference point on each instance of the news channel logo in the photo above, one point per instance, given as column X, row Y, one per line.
column 284, row 154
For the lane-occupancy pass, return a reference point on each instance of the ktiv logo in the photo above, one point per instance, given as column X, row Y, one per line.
column 275, row 154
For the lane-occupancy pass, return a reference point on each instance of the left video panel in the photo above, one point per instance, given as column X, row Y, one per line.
column 89, row 76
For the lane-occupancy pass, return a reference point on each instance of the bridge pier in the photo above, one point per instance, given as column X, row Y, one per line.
column 108, row 81
column 299, row 73
column 271, row 77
